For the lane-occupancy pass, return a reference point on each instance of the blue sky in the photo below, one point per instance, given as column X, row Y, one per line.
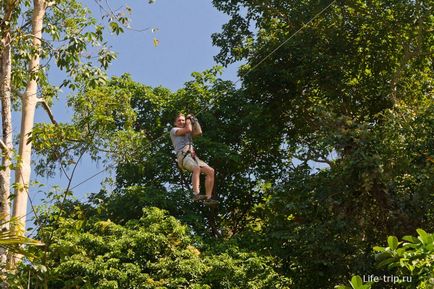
column 184, row 34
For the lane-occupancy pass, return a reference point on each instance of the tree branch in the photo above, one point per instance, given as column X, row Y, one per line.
column 324, row 161
column 320, row 159
column 4, row 147
column 111, row 13
column 48, row 110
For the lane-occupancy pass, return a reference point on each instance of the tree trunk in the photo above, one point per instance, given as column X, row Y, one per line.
column 29, row 100
column 6, row 136
column 5, row 172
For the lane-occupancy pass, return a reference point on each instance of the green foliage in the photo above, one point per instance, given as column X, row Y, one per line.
column 344, row 64
column 325, row 222
column 103, row 126
column 71, row 36
column 413, row 257
column 407, row 263
column 11, row 241
column 54, row 143
column 156, row 251
column 350, row 97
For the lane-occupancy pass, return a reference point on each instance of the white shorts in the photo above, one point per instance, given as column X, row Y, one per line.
column 189, row 163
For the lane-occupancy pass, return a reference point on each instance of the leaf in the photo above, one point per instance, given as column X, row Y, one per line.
column 392, row 241
column 156, row 42
column 378, row 249
column 400, row 251
column 382, row 256
column 356, row 282
column 385, row 262
column 423, row 236
column 410, row 239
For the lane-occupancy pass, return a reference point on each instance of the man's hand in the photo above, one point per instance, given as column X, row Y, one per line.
column 191, row 118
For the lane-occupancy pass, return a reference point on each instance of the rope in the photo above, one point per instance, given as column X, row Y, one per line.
column 286, row 41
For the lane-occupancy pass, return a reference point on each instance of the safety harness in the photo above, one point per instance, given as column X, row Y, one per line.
column 184, row 155
column 188, row 152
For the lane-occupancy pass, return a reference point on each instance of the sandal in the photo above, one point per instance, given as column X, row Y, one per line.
column 198, row 197
column 210, row 202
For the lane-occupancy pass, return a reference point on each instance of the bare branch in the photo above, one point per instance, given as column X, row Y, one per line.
column 320, row 159
column 48, row 110
column 110, row 12
column 324, row 161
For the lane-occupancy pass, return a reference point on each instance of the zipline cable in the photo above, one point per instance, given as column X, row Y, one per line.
column 279, row 46
column 286, row 41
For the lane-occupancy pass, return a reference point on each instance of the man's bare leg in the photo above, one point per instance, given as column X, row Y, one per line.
column 209, row 180
column 196, row 180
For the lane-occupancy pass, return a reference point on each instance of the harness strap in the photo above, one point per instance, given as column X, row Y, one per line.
column 184, row 155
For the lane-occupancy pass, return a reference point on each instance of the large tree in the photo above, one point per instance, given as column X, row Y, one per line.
column 339, row 92
column 50, row 34
column 354, row 60
column 7, row 9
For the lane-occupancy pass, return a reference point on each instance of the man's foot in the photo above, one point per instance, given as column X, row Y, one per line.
column 197, row 197
column 211, row 202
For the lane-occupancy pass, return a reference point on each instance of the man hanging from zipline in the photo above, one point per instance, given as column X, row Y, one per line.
column 187, row 127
